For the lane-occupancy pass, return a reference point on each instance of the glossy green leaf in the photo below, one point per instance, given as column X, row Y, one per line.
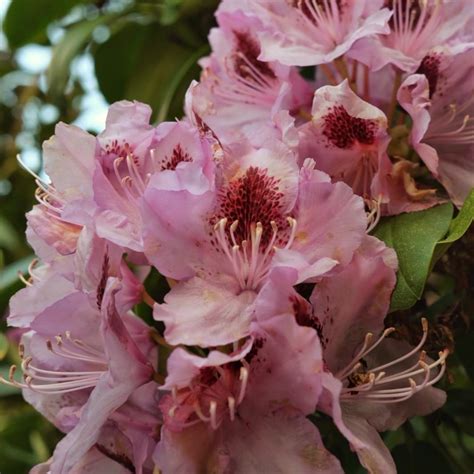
column 414, row 237
column 156, row 70
column 458, row 227
column 26, row 20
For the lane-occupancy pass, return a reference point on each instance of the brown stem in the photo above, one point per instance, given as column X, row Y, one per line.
column 393, row 102
column 329, row 74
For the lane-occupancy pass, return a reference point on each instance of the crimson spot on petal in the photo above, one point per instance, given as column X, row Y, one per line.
column 251, row 198
column 430, row 68
column 343, row 130
column 177, row 156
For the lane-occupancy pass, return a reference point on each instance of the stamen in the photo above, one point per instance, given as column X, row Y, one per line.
column 244, row 377
column 372, row 390
column 250, row 263
column 231, row 405
column 213, row 414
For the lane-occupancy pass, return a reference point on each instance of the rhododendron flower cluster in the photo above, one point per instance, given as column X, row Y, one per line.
column 312, row 119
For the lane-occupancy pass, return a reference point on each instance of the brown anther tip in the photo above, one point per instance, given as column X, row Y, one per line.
column 424, row 365
column 49, row 345
column 11, row 372
column 21, row 350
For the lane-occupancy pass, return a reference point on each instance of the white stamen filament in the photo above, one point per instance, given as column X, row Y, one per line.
column 249, row 263
column 213, row 396
column 59, row 381
column 407, row 36
column 377, row 377
column 373, row 216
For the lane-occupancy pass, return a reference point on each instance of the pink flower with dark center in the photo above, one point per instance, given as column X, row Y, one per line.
column 239, row 96
column 100, row 180
column 79, row 382
column 440, row 102
column 416, row 27
column 348, row 139
column 223, row 244
column 248, row 408
column 312, row 32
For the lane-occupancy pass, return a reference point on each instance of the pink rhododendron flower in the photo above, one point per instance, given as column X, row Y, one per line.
column 81, row 378
column 376, row 383
column 101, row 180
column 247, row 408
column 223, row 244
column 439, row 101
column 240, row 96
column 348, row 139
column 416, row 27
column 73, row 284
column 244, row 230
column 310, row 32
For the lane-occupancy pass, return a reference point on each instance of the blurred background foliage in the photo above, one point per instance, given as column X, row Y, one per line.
column 66, row 60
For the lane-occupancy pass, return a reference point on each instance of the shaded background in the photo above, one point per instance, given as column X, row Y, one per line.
column 66, row 60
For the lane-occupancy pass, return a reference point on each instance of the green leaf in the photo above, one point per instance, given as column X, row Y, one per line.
column 26, row 20
column 73, row 43
column 420, row 458
column 156, row 69
column 414, row 237
column 458, row 227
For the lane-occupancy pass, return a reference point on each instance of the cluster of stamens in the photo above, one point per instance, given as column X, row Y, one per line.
column 56, row 381
column 325, row 15
column 457, row 128
column 132, row 182
column 211, row 402
column 249, row 261
column 247, row 84
column 374, row 213
column 45, row 193
column 370, row 383
column 414, row 23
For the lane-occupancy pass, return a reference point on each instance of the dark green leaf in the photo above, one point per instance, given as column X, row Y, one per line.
column 155, row 70
column 414, row 237
column 26, row 20
column 422, row 457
